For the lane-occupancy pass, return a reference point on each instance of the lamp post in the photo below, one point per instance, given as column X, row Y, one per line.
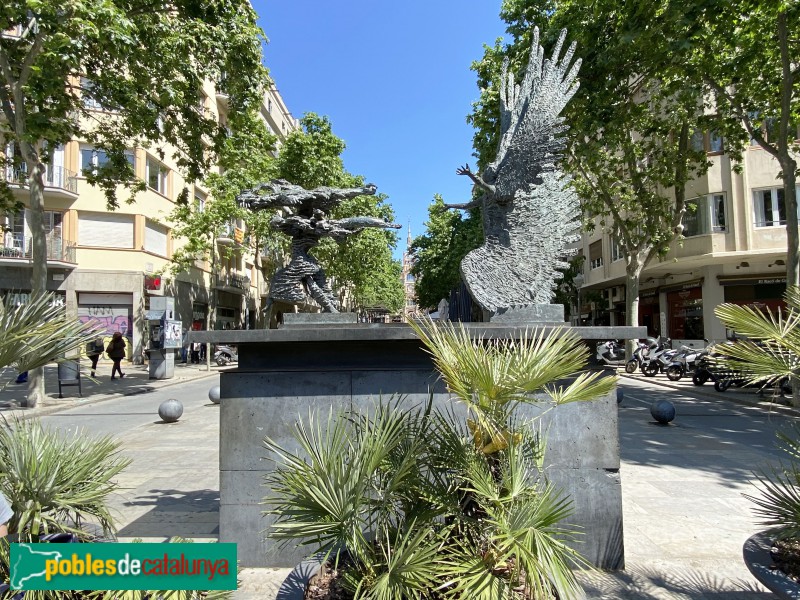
column 578, row 281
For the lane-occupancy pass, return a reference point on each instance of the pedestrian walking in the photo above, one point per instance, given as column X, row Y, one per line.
column 93, row 350
column 116, row 352
column 5, row 515
column 196, row 352
column 184, row 346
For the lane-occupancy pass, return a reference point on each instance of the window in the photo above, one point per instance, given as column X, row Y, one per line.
column 715, row 142
column 199, row 202
column 596, row 254
column 769, row 207
column 697, row 142
column 87, row 89
column 269, row 105
column 410, row 277
column 105, row 230
column 94, row 158
column 156, row 176
column 705, row 214
column 617, row 252
column 155, row 238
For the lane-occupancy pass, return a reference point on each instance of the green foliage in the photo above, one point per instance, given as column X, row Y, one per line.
column 770, row 351
column 492, row 376
column 39, row 332
column 746, row 54
column 362, row 265
column 779, row 500
column 448, row 237
column 420, row 504
column 311, row 156
column 56, row 481
column 246, row 158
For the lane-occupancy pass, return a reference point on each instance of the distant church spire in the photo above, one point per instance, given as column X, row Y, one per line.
column 409, row 234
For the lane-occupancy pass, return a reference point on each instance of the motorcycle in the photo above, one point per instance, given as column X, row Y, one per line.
column 657, row 357
column 685, row 362
column 638, row 358
column 225, row 355
column 611, row 353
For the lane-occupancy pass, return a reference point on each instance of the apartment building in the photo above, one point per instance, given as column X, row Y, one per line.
column 105, row 266
column 734, row 250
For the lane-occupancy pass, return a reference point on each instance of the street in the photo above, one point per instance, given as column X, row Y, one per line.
column 685, row 518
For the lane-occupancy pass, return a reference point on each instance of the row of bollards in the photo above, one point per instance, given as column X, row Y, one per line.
column 171, row 410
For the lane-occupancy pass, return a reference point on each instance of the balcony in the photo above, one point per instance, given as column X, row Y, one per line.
column 233, row 282
column 17, row 250
column 57, row 180
column 230, row 235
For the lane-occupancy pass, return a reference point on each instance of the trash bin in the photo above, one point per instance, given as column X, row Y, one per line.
column 69, row 373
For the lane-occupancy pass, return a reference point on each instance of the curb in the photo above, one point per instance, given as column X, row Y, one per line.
column 734, row 398
column 22, row 413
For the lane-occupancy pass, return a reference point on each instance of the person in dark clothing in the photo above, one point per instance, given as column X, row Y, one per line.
column 116, row 352
column 93, row 350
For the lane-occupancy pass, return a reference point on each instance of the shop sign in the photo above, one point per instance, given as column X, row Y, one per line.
column 753, row 281
column 152, row 283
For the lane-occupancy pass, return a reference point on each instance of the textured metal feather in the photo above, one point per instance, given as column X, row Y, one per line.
column 530, row 214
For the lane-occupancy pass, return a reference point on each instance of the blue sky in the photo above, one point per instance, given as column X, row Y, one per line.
column 395, row 81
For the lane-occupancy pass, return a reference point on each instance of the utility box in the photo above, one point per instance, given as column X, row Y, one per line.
column 161, row 326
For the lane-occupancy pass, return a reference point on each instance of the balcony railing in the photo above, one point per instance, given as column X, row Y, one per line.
column 233, row 280
column 19, row 246
column 54, row 177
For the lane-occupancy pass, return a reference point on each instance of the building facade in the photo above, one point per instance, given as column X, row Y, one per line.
column 105, row 266
column 733, row 250
column 410, row 307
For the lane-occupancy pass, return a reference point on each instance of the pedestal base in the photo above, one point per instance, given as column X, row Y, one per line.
column 535, row 314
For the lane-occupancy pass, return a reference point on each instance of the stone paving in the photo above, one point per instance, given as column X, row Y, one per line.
column 685, row 518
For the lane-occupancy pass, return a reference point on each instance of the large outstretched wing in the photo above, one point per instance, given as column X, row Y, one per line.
column 531, row 125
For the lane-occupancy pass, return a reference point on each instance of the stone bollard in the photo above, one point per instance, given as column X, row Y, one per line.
column 663, row 411
column 214, row 394
column 170, row 410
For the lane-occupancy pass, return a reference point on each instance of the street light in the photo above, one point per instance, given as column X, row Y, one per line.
column 578, row 281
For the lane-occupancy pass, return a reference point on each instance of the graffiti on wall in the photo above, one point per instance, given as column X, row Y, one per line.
column 110, row 319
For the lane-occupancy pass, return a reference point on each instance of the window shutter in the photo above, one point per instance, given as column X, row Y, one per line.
column 105, row 230
column 155, row 238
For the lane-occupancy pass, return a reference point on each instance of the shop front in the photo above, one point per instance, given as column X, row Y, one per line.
column 685, row 312
column 649, row 312
column 112, row 312
column 761, row 293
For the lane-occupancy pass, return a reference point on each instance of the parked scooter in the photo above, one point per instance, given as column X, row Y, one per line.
column 684, row 362
column 639, row 354
column 225, row 355
column 611, row 353
column 658, row 357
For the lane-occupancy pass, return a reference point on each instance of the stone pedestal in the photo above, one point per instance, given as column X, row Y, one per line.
column 285, row 373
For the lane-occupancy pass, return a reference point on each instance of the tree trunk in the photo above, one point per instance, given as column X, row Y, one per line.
column 633, row 272
column 38, row 254
column 259, row 320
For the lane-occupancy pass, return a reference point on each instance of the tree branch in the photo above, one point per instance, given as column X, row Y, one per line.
column 30, row 58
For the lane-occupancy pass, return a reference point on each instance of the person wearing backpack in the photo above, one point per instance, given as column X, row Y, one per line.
column 116, row 352
column 93, row 350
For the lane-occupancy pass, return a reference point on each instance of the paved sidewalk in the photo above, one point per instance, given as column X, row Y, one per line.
column 136, row 381
column 685, row 518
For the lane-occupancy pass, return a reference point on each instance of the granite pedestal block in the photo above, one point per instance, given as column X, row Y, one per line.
column 288, row 374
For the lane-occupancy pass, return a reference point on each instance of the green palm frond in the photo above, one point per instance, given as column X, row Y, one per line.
column 528, row 532
column 778, row 504
column 55, row 481
column 39, row 332
column 405, row 565
column 471, row 571
column 772, row 348
column 586, row 386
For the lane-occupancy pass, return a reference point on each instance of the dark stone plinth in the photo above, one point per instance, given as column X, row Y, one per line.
column 307, row 319
column 284, row 374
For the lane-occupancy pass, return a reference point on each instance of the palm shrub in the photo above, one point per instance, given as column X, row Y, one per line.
column 55, row 482
column 429, row 503
column 778, row 504
column 39, row 332
column 770, row 352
